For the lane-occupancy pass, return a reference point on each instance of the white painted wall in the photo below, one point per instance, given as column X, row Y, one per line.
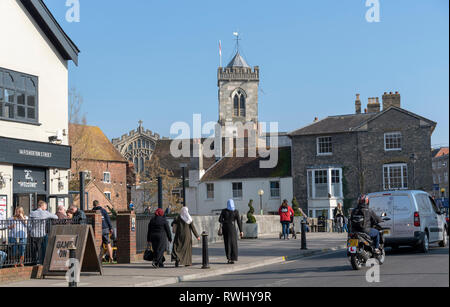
column 24, row 48
column 200, row 205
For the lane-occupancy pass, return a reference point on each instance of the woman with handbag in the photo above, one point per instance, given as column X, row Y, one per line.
column 286, row 213
column 158, row 234
column 182, row 243
column 227, row 219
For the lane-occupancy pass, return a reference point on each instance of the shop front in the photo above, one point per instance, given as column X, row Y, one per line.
column 30, row 172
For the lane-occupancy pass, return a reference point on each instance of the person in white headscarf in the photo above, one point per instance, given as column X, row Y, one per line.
column 228, row 219
column 182, row 244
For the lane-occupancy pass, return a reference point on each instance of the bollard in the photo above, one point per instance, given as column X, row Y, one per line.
column 303, row 241
column 73, row 259
column 205, row 256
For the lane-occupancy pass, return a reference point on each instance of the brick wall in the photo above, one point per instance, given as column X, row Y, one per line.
column 96, row 216
column 11, row 275
column 118, row 185
column 126, row 237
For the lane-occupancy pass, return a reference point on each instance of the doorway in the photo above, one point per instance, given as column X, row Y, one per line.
column 28, row 201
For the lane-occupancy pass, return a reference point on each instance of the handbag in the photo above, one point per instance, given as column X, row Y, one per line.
column 148, row 254
column 220, row 232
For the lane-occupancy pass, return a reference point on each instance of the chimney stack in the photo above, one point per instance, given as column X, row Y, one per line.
column 391, row 100
column 358, row 104
column 374, row 105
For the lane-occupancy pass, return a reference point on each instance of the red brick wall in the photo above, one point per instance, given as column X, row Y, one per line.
column 11, row 275
column 97, row 216
column 118, row 185
column 126, row 237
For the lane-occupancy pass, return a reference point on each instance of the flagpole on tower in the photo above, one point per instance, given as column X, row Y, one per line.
column 220, row 52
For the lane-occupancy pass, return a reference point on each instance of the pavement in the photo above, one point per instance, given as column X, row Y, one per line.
column 403, row 268
column 253, row 254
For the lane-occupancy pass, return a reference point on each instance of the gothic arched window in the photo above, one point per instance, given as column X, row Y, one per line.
column 239, row 103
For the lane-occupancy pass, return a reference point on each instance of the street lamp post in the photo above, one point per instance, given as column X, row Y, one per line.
column 261, row 193
column 413, row 158
column 183, row 166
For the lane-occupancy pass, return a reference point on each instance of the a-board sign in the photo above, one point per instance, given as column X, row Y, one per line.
column 57, row 252
column 61, row 251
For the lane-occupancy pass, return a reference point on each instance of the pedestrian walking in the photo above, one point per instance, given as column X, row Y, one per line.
column 107, row 229
column 157, row 235
column 182, row 242
column 345, row 228
column 228, row 218
column 286, row 214
column 39, row 220
column 18, row 234
column 338, row 213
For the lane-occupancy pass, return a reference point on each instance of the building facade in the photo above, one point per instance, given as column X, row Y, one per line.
column 106, row 169
column 34, row 152
column 440, row 172
column 337, row 158
column 137, row 146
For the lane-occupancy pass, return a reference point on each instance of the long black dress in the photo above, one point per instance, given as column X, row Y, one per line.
column 227, row 219
column 158, row 234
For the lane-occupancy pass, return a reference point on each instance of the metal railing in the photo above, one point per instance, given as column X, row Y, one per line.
column 142, row 221
column 24, row 242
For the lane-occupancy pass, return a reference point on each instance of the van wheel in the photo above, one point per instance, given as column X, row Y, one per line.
column 425, row 245
column 444, row 241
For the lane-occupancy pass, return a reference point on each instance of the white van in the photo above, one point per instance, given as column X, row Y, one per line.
column 415, row 220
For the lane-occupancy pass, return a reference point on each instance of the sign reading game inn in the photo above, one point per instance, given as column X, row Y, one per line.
column 46, row 155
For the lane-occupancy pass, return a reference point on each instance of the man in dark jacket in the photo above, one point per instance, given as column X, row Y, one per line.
column 106, row 228
column 370, row 220
column 79, row 217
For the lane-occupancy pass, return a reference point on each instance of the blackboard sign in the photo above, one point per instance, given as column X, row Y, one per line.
column 60, row 253
column 87, row 253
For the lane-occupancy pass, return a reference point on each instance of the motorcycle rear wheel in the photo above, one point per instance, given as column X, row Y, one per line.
column 356, row 263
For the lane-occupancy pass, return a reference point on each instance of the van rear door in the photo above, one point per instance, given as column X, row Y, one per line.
column 384, row 203
column 403, row 216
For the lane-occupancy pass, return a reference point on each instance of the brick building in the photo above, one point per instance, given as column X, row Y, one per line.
column 107, row 169
column 339, row 157
column 440, row 172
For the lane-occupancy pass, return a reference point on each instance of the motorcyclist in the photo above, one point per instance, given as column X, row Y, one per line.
column 370, row 220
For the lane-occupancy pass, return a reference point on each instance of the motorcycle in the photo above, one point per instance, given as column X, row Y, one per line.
column 360, row 247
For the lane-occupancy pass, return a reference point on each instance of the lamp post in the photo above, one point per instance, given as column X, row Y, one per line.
column 183, row 166
column 413, row 158
column 261, row 193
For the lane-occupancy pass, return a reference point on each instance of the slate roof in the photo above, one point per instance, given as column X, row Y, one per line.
column 246, row 167
column 89, row 143
column 48, row 24
column 347, row 123
column 238, row 61
column 169, row 162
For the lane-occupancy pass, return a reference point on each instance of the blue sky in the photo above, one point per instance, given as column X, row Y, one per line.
column 156, row 60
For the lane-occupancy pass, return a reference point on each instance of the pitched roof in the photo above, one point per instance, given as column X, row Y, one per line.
column 48, row 24
column 238, row 61
column 349, row 123
column 89, row 143
column 440, row 152
column 169, row 162
column 247, row 167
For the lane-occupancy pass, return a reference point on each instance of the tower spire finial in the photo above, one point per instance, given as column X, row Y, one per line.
column 237, row 40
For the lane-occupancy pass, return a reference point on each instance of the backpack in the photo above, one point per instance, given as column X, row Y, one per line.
column 358, row 220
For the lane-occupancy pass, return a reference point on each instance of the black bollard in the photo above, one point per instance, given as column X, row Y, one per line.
column 73, row 259
column 303, row 223
column 205, row 255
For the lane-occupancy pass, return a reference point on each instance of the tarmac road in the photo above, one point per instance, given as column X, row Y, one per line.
column 403, row 268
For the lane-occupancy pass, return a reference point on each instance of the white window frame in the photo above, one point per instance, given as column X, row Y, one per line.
column 207, row 194
column 318, row 146
column 402, row 166
column 109, row 177
column 311, row 173
column 275, row 189
column 242, row 190
column 106, row 193
column 391, row 134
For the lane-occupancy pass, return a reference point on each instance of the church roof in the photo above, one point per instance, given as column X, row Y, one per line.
column 238, row 61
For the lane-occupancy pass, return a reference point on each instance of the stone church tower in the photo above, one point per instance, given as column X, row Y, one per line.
column 238, row 93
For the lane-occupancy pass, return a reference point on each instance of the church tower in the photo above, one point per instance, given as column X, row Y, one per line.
column 238, row 92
